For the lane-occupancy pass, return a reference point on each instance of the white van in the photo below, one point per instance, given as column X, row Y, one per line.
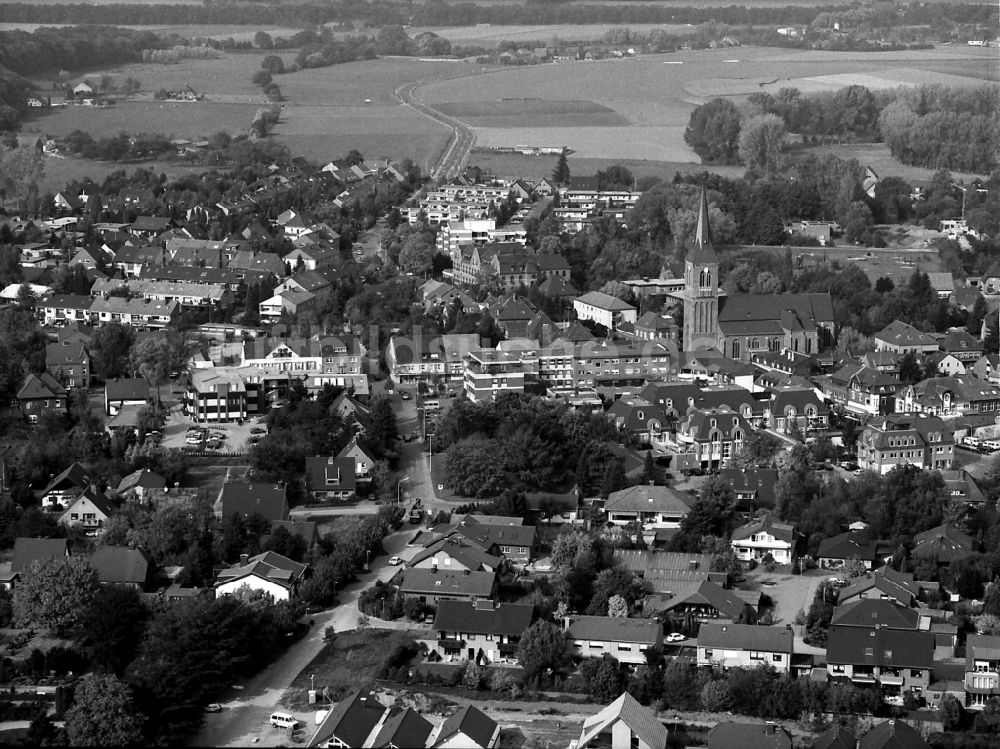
column 992, row 445
column 283, row 720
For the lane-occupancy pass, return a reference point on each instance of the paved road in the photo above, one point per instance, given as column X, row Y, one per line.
column 243, row 720
column 452, row 160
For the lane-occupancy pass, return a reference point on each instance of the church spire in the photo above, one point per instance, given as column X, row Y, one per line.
column 703, row 251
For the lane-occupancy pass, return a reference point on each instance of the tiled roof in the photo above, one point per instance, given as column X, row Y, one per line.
column 745, row 637
column 846, row 546
column 732, row 735
column 899, row 333
column 895, row 648
column 118, row 564
column 870, row 612
column 472, row 722
column 781, row 531
column 36, row 387
column 613, row 629
column 642, row 722
column 483, row 617
column 604, row 301
column 28, row 550
column 645, row 498
column 270, row 566
column 418, row 581
column 350, row 721
column 247, row 498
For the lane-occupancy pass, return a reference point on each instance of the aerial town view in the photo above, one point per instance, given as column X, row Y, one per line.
column 500, row 374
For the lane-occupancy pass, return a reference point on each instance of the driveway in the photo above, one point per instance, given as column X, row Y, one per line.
column 245, row 711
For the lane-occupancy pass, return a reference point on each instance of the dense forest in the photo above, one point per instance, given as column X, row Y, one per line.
column 884, row 15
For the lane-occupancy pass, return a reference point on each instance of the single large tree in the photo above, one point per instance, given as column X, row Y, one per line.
column 113, row 624
column 543, row 650
column 109, row 349
column 561, row 175
column 54, row 593
column 103, row 714
column 761, row 141
column 713, row 131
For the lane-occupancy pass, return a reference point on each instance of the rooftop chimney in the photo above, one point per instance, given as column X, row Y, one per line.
column 244, row 559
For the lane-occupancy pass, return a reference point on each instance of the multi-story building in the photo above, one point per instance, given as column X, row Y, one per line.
column 425, row 359
column 454, row 234
column 489, row 373
column 624, row 639
column 432, row 586
column 39, row 394
column 330, row 478
column 982, row 670
column 62, row 309
column 216, row 395
column 861, row 390
column 69, row 362
column 480, row 631
column 906, row 439
column 604, row 309
column 305, row 356
column 745, row 646
column 796, row 409
column 652, row 506
column 711, row 437
column 949, row 396
column 897, row 660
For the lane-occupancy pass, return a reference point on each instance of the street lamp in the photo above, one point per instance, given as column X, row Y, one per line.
column 399, row 486
column 367, row 555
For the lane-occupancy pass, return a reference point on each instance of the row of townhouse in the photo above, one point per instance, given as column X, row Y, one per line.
column 61, row 309
column 584, row 200
column 508, row 265
column 465, row 199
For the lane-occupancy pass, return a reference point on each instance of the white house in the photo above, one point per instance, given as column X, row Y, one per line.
column 469, row 728
column 764, row 536
column 624, row 724
column 604, row 309
column 653, row 506
column 270, row 572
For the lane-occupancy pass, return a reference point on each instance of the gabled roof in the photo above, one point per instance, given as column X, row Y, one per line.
column 483, row 617
column 144, row 479
column 65, row 352
column 99, row 500
column 614, row 629
column 761, row 481
column 646, row 498
column 899, row 333
column 897, row 585
column 895, row 648
column 876, row 612
column 28, row 550
column 767, row 524
column 893, row 734
column 644, row 561
column 463, row 550
column 126, row 389
column 472, row 722
column 350, row 721
column 73, row 477
column 447, row 582
column 269, row 566
column 489, row 534
column 604, row 301
column 726, row 602
column 119, row 564
column 746, row 637
column 264, row 499
column 732, row 735
column 835, row 738
column 641, row 721
column 847, row 546
column 40, row 386
column 402, row 728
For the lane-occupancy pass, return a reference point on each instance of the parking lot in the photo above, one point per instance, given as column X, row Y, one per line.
column 232, row 438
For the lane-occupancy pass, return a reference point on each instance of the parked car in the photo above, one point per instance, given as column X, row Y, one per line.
column 676, row 637
column 405, row 396
column 213, row 707
column 213, row 444
column 258, row 430
column 395, row 561
column 193, row 440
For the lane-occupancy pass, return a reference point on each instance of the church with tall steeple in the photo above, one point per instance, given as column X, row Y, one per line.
column 740, row 325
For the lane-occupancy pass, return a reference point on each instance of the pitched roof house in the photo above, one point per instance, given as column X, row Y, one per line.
column 903, row 338
column 90, row 509
column 469, row 728
column 730, row 735
column 481, row 631
column 887, row 584
column 119, row 565
column 624, row 724
column 432, row 586
column 39, row 394
column 763, row 536
column 270, row 572
column 625, row 639
column 653, row 506
column 943, row 545
column 745, row 646
column 29, row 550
column 263, row 499
column 350, row 722
column 837, row 551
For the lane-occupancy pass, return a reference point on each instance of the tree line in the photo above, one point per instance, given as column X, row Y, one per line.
column 555, row 12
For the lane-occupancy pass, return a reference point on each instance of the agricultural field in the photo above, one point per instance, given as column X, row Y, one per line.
column 535, row 167
column 489, row 34
column 237, row 33
column 174, row 119
column 509, row 113
column 657, row 93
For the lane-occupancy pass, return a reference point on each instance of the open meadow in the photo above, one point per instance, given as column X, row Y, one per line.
column 193, row 31
column 657, row 93
column 489, row 34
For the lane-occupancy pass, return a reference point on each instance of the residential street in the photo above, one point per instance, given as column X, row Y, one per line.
column 243, row 720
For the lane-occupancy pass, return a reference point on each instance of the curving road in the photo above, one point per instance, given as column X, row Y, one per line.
column 452, row 160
